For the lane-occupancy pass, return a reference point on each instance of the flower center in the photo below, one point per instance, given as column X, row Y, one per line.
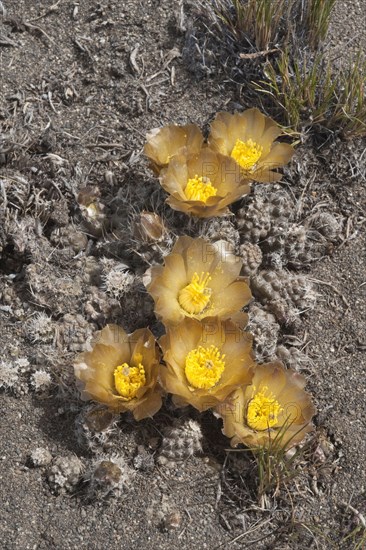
column 204, row 367
column 200, row 189
column 247, row 154
column 263, row 410
column 194, row 297
column 128, row 380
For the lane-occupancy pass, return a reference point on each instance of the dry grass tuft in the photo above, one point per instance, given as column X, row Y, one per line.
column 277, row 466
column 272, row 23
column 317, row 13
column 259, row 20
column 274, row 50
column 306, row 92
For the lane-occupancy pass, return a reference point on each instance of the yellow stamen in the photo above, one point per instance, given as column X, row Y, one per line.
column 204, row 367
column 247, row 154
column 199, row 189
column 263, row 410
column 128, row 380
column 195, row 297
column 92, row 210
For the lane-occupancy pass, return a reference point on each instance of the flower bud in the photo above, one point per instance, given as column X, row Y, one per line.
column 148, row 227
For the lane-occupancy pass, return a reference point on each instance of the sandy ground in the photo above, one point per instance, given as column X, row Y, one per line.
column 75, row 106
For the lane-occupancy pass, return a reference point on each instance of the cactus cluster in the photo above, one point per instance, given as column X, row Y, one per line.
column 108, row 475
column 200, row 290
column 117, row 279
column 284, row 294
column 40, row 457
column 193, row 295
column 252, row 257
column 18, row 376
column 180, row 442
column 218, row 229
column 64, row 473
column 268, row 220
column 94, row 428
column 265, row 330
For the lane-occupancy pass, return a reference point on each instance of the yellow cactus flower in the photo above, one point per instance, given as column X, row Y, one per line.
column 121, row 371
column 162, row 144
column 274, row 411
column 204, row 184
column 198, row 280
column 249, row 139
column 206, row 360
